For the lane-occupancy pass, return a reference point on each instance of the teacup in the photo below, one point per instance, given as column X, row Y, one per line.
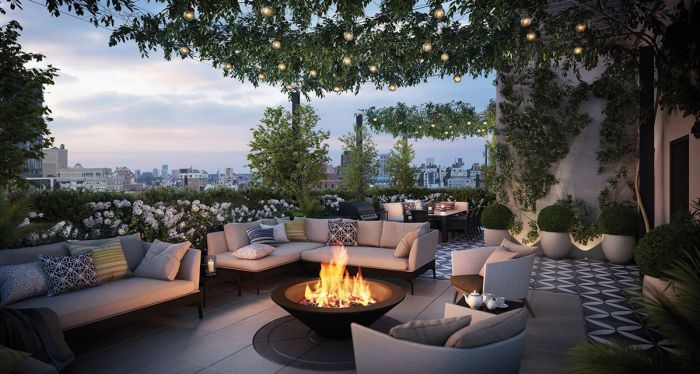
column 501, row 301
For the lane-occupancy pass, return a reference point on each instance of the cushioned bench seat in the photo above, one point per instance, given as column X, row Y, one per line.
column 366, row 257
column 110, row 299
column 284, row 254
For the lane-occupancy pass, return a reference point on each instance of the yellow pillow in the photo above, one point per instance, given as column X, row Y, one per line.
column 296, row 230
column 110, row 262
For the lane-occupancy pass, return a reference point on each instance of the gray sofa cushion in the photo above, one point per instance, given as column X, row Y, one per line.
column 236, row 236
column 490, row 330
column 131, row 244
column 31, row 254
column 22, row 281
column 284, row 254
column 430, row 332
column 393, row 232
column 367, row 257
column 162, row 261
column 369, row 233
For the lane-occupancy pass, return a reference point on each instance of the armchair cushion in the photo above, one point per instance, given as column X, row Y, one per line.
column 500, row 254
column 430, row 332
column 521, row 250
column 490, row 330
column 468, row 283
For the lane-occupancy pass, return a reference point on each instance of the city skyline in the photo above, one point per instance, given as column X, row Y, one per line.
column 183, row 112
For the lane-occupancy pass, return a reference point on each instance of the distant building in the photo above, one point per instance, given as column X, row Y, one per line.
column 332, row 180
column 54, row 159
column 192, row 178
column 382, row 177
column 164, row 171
column 156, row 173
column 99, row 179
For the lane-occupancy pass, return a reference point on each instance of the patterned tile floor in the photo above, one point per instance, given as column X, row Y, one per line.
column 605, row 290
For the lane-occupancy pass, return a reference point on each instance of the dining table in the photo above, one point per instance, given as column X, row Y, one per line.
column 443, row 215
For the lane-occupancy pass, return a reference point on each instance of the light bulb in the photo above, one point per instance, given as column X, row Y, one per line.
column 347, row 60
column 485, row 123
column 457, row 78
column 313, row 73
column 261, row 76
column 531, row 36
column 375, row 119
column 469, row 122
column 578, row 50
column 348, row 36
column 581, row 27
column 336, row 88
column 439, row 13
column 188, row 15
column 427, row 47
column 444, row 56
column 228, row 66
column 276, row 44
column 373, row 68
column 526, row 21
column 289, row 87
column 266, row 10
column 282, row 66
column 184, row 50
column 392, row 87
column 432, row 125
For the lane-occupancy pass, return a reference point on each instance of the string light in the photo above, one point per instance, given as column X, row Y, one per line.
column 266, row 9
column 336, row 88
column 578, row 50
column 276, row 44
column 261, row 76
column 228, row 66
column 439, row 13
column 184, row 50
column 347, row 60
column 444, row 56
column 373, row 68
column 289, row 87
column 531, row 36
column 282, row 66
column 526, row 21
column 457, row 78
column 432, row 125
column 313, row 73
column 392, row 87
column 348, row 36
column 188, row 15
column 427, row 47
column 375, row 119
column 581, row 27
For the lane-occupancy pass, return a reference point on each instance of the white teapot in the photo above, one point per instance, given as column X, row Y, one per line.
column 474, row 300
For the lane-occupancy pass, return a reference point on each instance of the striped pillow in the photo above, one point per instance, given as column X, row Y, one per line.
column 296, row 230
column 110, row 262
column 262, row 236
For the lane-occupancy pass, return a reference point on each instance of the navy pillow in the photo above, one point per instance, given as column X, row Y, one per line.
column 66, row 273
column 263, row 236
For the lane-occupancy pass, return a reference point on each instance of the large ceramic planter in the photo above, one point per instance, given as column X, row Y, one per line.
column 493, row 237
column 555, row 244
column 652, row 287
column 618, row 249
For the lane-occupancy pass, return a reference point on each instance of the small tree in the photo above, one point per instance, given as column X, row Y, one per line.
column 24, row 117
column 288, row 158
column 398, row 166
column 357, row 175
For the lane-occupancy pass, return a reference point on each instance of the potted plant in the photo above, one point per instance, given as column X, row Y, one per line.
column 497, row 219
column 618, row 223
column 554, row 222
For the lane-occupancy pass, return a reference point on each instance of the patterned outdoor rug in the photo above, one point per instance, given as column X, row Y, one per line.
column 605, row 290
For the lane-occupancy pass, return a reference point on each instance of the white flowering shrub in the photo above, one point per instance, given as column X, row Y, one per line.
column 331, row 203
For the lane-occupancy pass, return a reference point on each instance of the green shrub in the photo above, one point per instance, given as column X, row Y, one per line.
column 618, row 219
column 555, row 218
column 663, row 245
column 497, row 217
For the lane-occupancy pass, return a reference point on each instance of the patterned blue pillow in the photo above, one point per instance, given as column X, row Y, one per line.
column 263, row 236
column 21, row 281
column 66, row 273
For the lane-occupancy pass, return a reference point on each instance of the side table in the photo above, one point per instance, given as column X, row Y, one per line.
column 205, row 281
column 483, row 313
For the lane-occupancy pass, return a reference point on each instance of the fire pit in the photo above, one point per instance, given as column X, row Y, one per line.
column 329, row 305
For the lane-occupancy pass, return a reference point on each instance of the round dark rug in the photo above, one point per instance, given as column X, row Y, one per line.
column 287, row 341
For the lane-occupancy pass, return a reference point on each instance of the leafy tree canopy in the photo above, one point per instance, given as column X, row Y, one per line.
column 398, row 166
column 356, row 176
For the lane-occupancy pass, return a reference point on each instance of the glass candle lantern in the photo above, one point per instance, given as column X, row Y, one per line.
column 211, row 264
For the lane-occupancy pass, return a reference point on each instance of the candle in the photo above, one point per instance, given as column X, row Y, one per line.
column 210, row 265
column 442, row 206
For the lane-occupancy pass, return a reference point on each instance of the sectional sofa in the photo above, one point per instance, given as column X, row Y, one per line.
column 374, row 252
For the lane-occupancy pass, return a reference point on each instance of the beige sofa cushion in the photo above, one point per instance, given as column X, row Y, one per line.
column 500, row 254
column 404, row 247
column 236, row 236
column 366, row 257
column 393, row 232
column 110, row 299
column 430, row 332
column 490, row 330
column 369, row 233
column 317, row 230
column 284, row 254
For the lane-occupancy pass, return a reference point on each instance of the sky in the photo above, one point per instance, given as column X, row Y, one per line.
column 113, row 108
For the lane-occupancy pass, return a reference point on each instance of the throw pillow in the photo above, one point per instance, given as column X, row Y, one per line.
column 342, row 233
column 449, row 205
column 10, row 359
column 263, row 236
column 521, row 250
column 408, row 206
column 278, row 232
column 67, row 273
column 500, row 254
column 110, row 261
column 490, row 330
column 162, row 261
column 21, row 281
column 404, row 247
column 430, row 332
column 296, row 230
column 254, row 251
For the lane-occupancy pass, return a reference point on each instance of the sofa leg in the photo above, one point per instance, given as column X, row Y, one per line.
column 238, row 283
column 199, row 310
column 455, row 297
column 528, row 306
column 257, row 286
column 411, row 282
column 434, row 276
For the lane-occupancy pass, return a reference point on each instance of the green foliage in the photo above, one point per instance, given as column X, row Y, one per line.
column 357, row 175
column 497, row 216
column 287, row 157
column 616, row 185
column 309, row 207
column 398, row 166
column 618, row 219
column 661, row 246
column 555, row 218
column 13, row 226
column 437, row 121
column 593, row 357
column 583, row 227
column 24, row 117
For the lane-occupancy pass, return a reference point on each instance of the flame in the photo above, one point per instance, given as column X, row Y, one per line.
column 336, row 288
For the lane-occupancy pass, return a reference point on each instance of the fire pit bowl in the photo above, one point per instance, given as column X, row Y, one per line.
column 334, row 323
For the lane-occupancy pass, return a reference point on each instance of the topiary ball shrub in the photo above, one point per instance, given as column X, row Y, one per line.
column 555, row 218
column 618, row 219
column 497, row 217
column 663, row 245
